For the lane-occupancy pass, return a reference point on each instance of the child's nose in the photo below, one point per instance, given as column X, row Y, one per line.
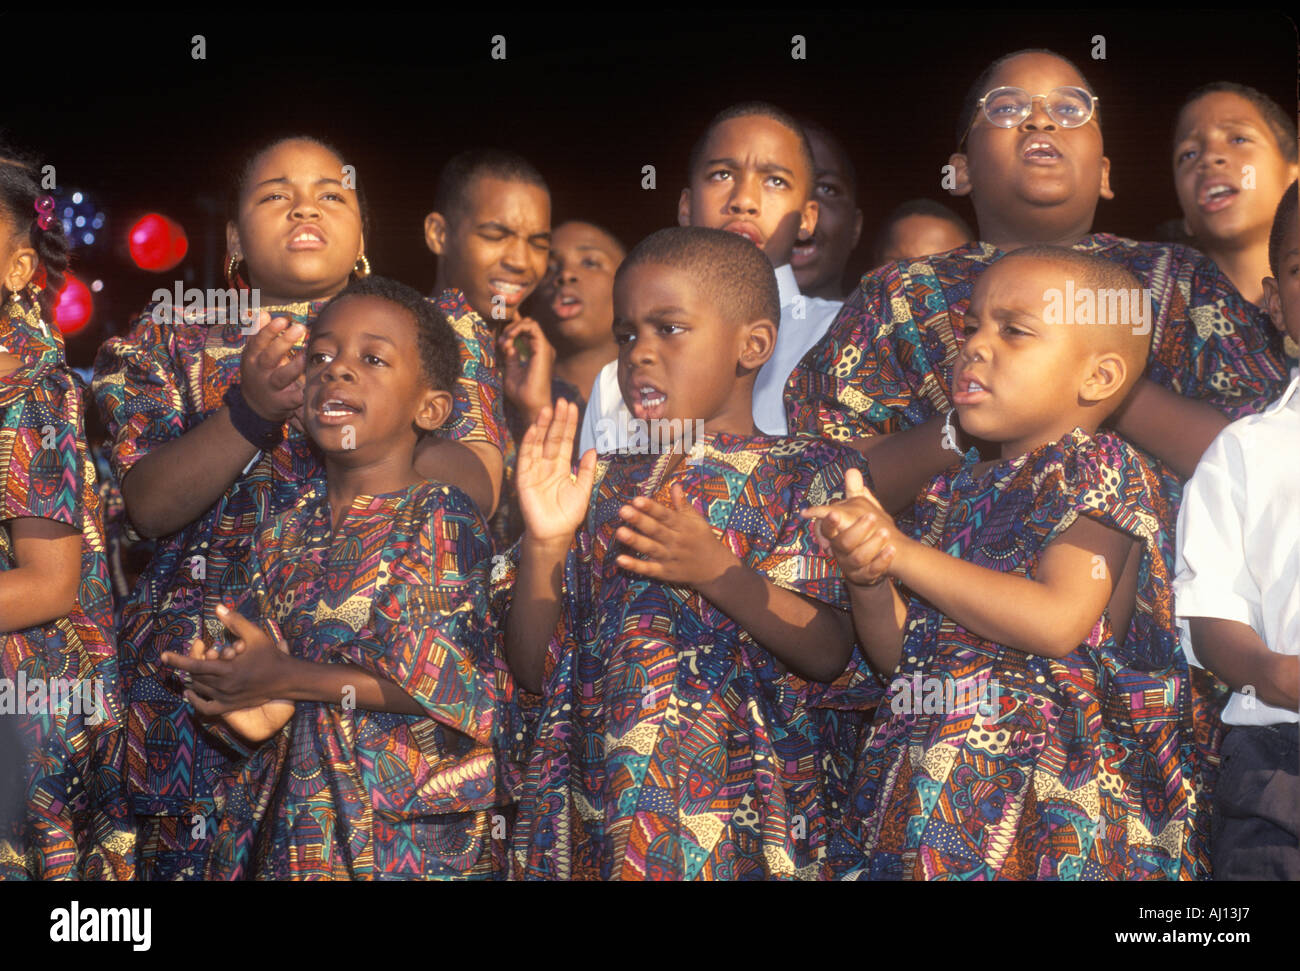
column 744, row 196
column 1038, row 118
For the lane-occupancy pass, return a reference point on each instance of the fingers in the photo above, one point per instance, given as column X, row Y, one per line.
column 559, row 436
column 853, row 485
column 587, row 471
column 237, row 623
column 681, row 504
column 645, row 568
column 287, row 373
column 205, row 706
column 192, row 665
column 640, row 542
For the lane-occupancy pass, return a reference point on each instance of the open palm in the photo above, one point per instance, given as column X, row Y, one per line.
column 552, row 499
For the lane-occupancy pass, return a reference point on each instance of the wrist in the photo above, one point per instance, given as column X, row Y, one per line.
column 543, row 548
column 714, row 581
column 260, row 431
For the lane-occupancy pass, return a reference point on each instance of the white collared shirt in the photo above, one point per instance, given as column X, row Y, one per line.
column 804, row 320
column 1239, row 540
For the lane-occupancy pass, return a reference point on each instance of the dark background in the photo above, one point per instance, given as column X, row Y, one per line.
column 131, row 119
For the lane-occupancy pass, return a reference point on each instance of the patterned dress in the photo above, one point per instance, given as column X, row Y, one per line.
column 163, row 378
column 63, row 807
column 670, row 745
column 1071, row 768
column 887, row 363
column 345, row 793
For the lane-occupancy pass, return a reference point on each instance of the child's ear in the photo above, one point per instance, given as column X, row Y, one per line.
column 435, row 233
column 1272, row 303
column 684, row 208
column 760, row 342
column 808, row 219
column 21, row 269
column 1106, row 378
column 1105, row 192
column 435, row 406
column 960, row 174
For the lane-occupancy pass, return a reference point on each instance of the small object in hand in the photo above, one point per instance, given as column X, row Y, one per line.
column 523, row 347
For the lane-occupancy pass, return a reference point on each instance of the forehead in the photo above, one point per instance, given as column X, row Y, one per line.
column 825, row 156
column 757, row 139
column 296, row 160
column 1218, row 107
column 573, row 234
column 1021, row 284
column 1036, row 73
column 507, row 201
column 369, row 314
column 646, row 287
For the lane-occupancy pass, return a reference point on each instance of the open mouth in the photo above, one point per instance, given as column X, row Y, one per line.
column 307, row 237
column 748, row 230
column 967, row 390
column 566, row 306
column 805, row 252
column 511, row 291
column 648, row 402
column 1040, row 150
column 333, row 411
column 1216, row 196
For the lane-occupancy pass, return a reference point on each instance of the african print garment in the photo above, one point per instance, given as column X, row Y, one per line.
column 349, row 794
column 670, row 745
column 63, row 806
column 164, row 377
column 1026, row 767
column 887, row 362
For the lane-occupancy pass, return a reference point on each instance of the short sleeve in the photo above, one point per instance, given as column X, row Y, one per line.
column 41, row 470
column 137, row 391
column 1212, row 577
column 477, row 413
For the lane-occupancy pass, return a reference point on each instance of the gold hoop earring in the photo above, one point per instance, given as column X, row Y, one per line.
column 362, row 267
column 232, row 271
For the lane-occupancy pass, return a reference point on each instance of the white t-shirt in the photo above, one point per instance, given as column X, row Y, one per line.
column 1239, row 540
column 804, row 320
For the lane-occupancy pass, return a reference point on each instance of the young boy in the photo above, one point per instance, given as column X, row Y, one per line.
column 886, row 365
column 673, row 637
column 919, row 228
column 1234, row 155
column 750, row 173
column 1237, row 595
column 376, row 651
column 1039, row 725
column 819, row 260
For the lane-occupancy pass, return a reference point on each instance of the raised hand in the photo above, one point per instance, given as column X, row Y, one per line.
column 270, row 372
column 526, row 377
column 677, row 544
column 552, row 499
column 858, row 531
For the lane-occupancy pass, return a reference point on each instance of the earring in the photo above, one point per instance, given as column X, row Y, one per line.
column 362, row 268
column 232, row 271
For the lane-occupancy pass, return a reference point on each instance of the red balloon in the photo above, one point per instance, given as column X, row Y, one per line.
column 72, row 312
column 157, row 243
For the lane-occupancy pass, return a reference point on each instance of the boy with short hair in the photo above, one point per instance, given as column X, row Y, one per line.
column 751, row 173
column 1035, row 585
column 368, row 703
column 672, row 608
column 1237, row 594
column 919, row 228
column 819, row 260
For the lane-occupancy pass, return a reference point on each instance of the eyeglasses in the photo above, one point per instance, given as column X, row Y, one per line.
column 1068, row 106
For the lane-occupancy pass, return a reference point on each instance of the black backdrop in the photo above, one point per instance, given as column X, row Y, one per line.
column 119, row 105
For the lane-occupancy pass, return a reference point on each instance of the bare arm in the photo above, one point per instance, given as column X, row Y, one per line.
column 1240, row 657
column 903, row 463
column 475, row 468
column 1175, row 429
column 43, row 587
column 534, row 609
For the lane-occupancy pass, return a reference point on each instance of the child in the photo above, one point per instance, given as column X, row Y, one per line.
column 377, row 652
column 819, row 260
column 491, row 231
column 918, row 228
column 1033, row 588
column 207, row 449
column 886, row 365
column 1234, row 154
column 750, row 173
column 63, row 811
column 1237, row 594
column 672, row 636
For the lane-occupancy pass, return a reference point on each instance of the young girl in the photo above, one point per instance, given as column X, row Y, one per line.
column 381, row 658
column 60, row 709
column 1039, row 723
column 1234, row 155
column 208, row 449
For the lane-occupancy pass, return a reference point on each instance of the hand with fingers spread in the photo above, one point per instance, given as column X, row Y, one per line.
column 526, row 376
column 552, row 499
column 250, row 673
column 255, row 724
column 270, row 371
column 858, row 531
column 677, row 544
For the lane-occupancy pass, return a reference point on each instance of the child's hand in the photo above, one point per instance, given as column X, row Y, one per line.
column 678, row 544
column 860, row 534
column 270, row 372
column 248, row 673
column 255, row 724
column 526, row 377
column 552, row 499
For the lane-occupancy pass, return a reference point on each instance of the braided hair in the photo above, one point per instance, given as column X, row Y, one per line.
column 19, row 190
